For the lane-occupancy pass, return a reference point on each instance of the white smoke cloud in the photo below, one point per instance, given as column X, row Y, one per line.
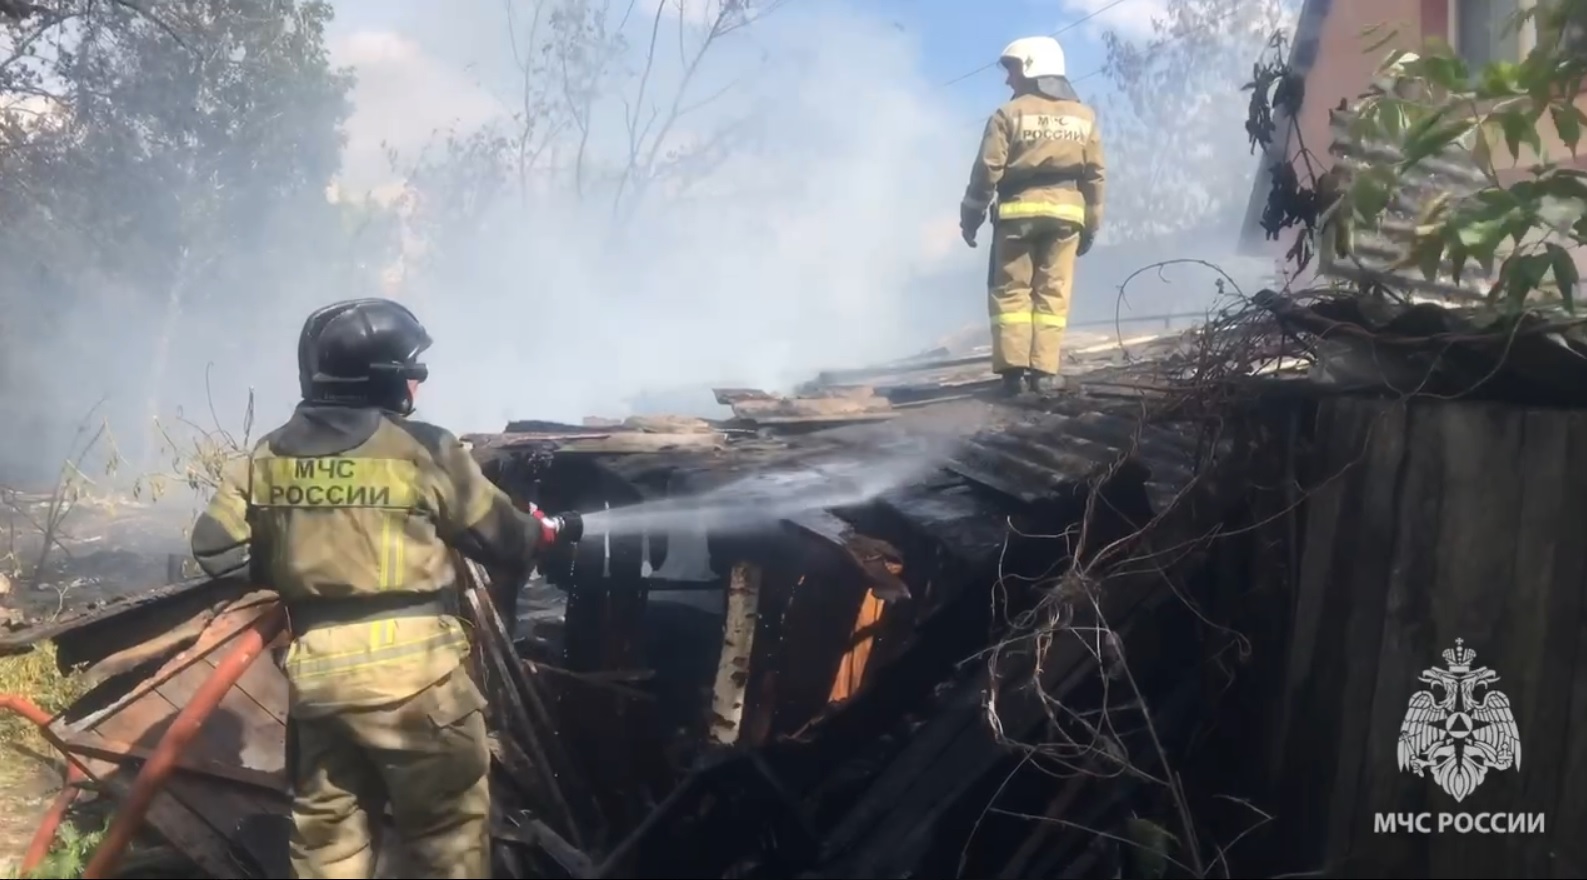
column 800, row 249
column 403, row 97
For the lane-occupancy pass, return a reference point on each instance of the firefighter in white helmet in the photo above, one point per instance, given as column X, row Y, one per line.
column 1041, row 159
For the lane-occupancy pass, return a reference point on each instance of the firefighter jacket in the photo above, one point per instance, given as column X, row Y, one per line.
column 350, row 514
column 1041, row 156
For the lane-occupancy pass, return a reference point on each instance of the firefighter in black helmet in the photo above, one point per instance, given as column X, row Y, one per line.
column 349, row 511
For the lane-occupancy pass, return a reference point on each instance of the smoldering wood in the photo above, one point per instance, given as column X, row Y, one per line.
column 518, row 698
column 1278, row 574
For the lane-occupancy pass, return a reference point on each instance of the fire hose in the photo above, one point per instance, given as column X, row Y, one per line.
column 44, row 836
column 154, row 773
column 151, row 778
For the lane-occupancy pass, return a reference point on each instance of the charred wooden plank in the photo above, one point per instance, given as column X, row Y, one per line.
column 876, row 560
column 886, row 832
column 782, row 576
column 613, row 738
column 204, row 816
column 530, row 831
column 730, row 396
column 94, row 745
column 530, row 721
column 611, row 443
column 826, row 406
column 116, row 626
column 815, row 637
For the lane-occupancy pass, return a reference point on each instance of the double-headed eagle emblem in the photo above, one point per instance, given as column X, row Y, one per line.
column 1457, row 736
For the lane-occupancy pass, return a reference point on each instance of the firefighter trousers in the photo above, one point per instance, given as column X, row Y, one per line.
column 1032, row 273
column 427, row 757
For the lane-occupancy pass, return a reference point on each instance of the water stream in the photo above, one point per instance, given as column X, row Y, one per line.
column 756, row 501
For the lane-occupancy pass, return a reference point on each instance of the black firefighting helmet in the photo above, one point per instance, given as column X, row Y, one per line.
column 362, row 352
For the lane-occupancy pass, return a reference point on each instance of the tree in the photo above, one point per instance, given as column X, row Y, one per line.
column 602, row 96
column 162, row 173
column 624, row 113
column 1532, row 213
column 1171, row 131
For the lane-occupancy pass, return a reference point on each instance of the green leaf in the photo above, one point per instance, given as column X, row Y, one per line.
column 1498, row 80
column 1436, row 138
column 1152, row 846
column 1515, row 131
column 1532, row 72
column 1522, row 274
column 1515, row 287
column 1370, row 192
column 1429, row 255
column 1567, row 122
column 1459, row 255
column 1566, row 275
column 1531, row 135
column 1482, row 149
column 1364, row 122
column 1483, row 236
column 1448, row 71
column 1434, row 210
column 1563, row 183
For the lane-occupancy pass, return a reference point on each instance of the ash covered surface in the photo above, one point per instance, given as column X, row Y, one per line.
column 104, row 550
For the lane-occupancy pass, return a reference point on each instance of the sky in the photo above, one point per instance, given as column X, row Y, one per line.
column 954, row 37
column 956, row 45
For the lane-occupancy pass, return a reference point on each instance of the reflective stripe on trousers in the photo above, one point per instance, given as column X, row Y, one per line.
column 1040, row 319
column 1031, row 210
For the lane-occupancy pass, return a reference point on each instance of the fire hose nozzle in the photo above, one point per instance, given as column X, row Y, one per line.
column 567, row 527
column 563, row 528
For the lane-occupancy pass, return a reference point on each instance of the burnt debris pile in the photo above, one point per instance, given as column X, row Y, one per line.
column 1005, row 648
column 1166, row 623
column 993, row 668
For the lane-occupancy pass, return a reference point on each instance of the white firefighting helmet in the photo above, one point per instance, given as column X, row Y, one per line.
column 1034, row 57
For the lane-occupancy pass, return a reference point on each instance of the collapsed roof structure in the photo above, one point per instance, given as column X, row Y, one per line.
column 1074, row 637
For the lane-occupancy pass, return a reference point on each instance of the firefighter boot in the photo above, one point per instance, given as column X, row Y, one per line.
column 1042, row 383
column 1013, row 383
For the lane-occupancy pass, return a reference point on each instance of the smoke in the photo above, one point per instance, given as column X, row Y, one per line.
column 783, row 204
column 746, row 219
column 815, row 170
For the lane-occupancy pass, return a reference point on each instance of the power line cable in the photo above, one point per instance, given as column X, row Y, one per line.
column 981, row 121
column 1059, row 32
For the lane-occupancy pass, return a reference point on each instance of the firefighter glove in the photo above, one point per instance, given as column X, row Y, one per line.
column 969, row 221
column 1086, row 238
